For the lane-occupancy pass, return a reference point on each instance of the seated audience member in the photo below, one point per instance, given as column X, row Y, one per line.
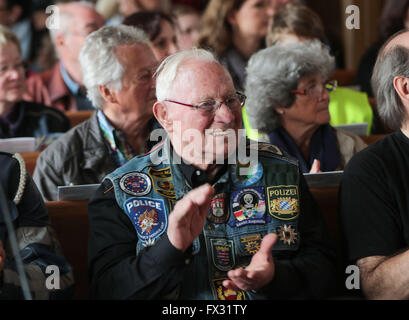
column 118, row 65
column 62, row 86
column 288, row 99
column 374, row 193
column 19, row 118
column 194, row 241
column 160, row 29
column 188, row 26
column 297, row 22
column 116, row 10
column 235, row 30
column 36, row 239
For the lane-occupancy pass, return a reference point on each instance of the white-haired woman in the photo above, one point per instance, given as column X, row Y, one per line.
column 287, row 102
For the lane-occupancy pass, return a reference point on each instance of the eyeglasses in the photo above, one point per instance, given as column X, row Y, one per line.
column 210, row 106
column 316, row 91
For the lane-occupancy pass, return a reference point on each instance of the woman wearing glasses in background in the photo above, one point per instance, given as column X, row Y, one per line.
column 287, row 101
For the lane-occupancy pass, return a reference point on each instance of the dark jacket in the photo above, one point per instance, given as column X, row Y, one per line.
column 39, row 249
column 81, row 156
column 28, row 119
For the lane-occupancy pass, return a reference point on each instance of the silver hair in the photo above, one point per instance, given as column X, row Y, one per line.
column 168, row 69
column 99, row 63
column 273, row 72
column 394, row 62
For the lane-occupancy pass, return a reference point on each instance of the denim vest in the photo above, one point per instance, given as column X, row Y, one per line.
column 241, row 213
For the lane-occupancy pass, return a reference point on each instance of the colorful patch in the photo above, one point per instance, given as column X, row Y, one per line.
column 219, row 210
column 283, row 202
column 251, row 243
column 148, row 216
column 222, row 293
column 246, row 175
column 136, row 184
column 287, row 234
column 222, row 254
column 163, row 182
column 248, row 207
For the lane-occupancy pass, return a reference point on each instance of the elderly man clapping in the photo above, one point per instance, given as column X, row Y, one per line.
column 201, row 229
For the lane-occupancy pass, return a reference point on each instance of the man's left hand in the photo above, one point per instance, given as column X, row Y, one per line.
column 259, row 272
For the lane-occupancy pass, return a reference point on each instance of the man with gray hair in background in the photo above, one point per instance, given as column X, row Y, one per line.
column 374, row 194
column 177, row 224
column 62, row 87
column 118, row 68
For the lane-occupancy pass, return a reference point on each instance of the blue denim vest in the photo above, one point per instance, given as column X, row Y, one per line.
column 241, row 214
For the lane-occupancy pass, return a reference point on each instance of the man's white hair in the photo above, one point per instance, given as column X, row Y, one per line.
column 65, row 17
column 99, row 63
column 168, row 69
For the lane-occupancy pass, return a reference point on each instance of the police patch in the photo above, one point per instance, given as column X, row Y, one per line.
column 245, row 175
column 222, row 254
column 136, row 184
column 163, row 182
column 248, row 207
column 222, row 293
column 218, row 211
column 283, row 202
column 148, row 216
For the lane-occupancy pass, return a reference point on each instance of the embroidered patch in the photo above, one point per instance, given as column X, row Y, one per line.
column 222, row 254
column 148, row 217
column 251, row 243
column 218, row 211
column 283, row 202
column 246, row 175
column 248, row 207
column 136, row 184
column 287, row 234
column 222, row 293
column 163, row 182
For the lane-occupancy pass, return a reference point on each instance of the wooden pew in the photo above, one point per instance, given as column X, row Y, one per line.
column 30, row 158
column 76, row 117
column 344, row 77
column 70, row 221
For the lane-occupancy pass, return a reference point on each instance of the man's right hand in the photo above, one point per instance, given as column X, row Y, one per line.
column 188, row 217
column 2, row 256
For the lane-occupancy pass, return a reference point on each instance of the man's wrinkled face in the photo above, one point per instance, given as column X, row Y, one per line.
column 209, row 136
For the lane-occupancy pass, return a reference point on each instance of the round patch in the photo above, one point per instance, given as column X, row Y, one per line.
column 136, row 184
column 246, row 175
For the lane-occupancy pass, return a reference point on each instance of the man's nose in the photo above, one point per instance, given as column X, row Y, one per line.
column 224, row 114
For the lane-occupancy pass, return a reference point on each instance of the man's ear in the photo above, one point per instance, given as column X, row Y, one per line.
column 231, row 18
column 59, row 40
column 107, row 94
column 401, row 85
column 160, row 110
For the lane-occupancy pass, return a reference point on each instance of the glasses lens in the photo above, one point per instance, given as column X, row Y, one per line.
column 207, row 106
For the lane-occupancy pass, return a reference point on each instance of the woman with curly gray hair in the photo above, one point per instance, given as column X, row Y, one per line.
column 287, row 101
